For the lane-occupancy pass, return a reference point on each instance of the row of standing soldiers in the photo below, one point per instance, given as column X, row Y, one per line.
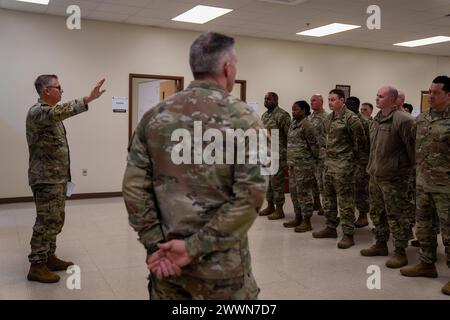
column 343, row 160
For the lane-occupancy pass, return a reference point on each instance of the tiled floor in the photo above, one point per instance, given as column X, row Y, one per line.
column 287, row 265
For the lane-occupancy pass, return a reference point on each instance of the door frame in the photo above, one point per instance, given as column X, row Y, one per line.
column 179, row 85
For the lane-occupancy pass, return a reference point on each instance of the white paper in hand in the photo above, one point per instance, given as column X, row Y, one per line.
column 70, row 188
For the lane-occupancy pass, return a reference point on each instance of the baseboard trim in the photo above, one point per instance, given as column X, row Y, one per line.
column 77, row 196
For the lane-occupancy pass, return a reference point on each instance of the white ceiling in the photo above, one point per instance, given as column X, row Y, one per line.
column 401, row 20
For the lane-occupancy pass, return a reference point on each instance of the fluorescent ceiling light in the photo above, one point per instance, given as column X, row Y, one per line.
column 201, row 14
column 36, row 1
column 423, row 42
column 328, row 29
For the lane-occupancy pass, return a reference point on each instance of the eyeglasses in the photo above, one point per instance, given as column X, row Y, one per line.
column 56, row 87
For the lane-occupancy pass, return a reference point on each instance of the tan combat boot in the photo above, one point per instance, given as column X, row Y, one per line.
column 446, row 289
column 325, row 233
column 40, row 273
column 55, row 264
column 294, row 223
column 421, row 269
column 305, row 226
column 270, row 209
column 398, row 260
column 317, row 206
column 346, row 242
column 378, row 249
column 362, row 221
column 278, row 214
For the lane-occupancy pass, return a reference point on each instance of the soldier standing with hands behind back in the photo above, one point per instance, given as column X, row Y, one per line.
column 276, row 118
column 193, row 218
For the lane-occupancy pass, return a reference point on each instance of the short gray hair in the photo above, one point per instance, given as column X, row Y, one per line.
column 44, row 81
column 208, row 52
column 393, row 93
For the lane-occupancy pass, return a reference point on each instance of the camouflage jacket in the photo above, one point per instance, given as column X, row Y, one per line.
column 318, row 122
column 345, row 141
column 49, row 160
column 392, row 142
column 281, row 120
column 211, row 206
column 433, row 152
column 302, row 145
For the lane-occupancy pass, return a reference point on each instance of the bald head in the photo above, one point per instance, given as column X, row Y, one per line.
column 317, row 103
column 386, row 99
column 400, row 100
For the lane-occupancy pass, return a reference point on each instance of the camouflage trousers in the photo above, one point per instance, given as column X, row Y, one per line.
column 50, row 201
column 186, row 287
column 275, row 188
column 433, row 209
column 301, row 180
column 317, row 186
column 412, row 200
column 389, row 205
column 361, row 189
column 338, row 191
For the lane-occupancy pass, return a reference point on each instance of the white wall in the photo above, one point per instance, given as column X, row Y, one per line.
column 33, row 44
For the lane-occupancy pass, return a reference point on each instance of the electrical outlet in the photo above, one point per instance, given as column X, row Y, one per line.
column 84, row 172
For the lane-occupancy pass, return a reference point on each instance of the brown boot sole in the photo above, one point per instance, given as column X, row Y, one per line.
column 327, row 236
column 292, row 224
column 396, row 265
column 262, row 214
column 298, row 230
column 345, row 246
column 408, row 272
column 42, row 280
column 380, row 253
column 62, row 268
column 275, row 217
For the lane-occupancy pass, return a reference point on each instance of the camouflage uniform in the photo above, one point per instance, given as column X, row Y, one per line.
column 392, row 156
column 49, row 171
column 345, row 144
column 361, row 176
column 302, row 152
column 318, row 122
column 433, row 182
column 211, row 207
column 281, row 120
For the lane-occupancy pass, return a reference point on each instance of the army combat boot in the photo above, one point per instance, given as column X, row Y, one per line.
column 325, row 233
column 278, row 214
column 420, row 270
column 446, row 289
column 378, row 249
column 294, row 223
column 398, row 260
column 270, row 208
column 304, row 226
column 362, row 221
column 40, row 273
column 346, row 242
column 55, row 264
